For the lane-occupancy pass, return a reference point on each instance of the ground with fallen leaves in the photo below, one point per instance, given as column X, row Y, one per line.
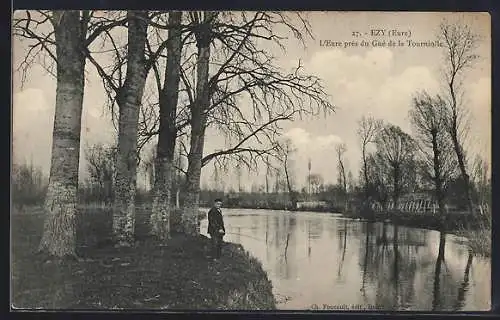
column 146, row 276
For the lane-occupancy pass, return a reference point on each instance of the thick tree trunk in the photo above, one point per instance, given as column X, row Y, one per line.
column 129, row 102
column 198, row 126
column 59, row 236
column 162, row 191
column 191, row 199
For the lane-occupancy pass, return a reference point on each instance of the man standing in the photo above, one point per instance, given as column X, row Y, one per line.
column 216, row 227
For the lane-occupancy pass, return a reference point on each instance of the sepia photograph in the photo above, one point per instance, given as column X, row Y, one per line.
column 250, row 160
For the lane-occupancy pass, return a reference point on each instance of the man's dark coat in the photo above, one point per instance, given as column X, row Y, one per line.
column 215, row 222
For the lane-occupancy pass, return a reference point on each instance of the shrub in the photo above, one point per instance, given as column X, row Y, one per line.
column 28, row 185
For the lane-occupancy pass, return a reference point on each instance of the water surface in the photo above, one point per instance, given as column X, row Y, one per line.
column 325, row 261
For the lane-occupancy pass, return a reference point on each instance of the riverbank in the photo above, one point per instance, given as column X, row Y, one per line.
column 146, row 276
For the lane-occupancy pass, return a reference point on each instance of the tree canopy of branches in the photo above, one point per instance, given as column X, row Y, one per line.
column 245, row 72
column 396, row 149
column 428, row 118
column 249, row 95
column 229, row 82
column 367, row 131
column 379, row 177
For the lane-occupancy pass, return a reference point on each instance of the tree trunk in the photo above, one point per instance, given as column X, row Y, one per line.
column 162, row 191
column 438, row 179
column 59, row 236
column 463, row 171
column 396, row 186
column 365, row 173
column 129, row 102
column 344, row 186
column 454, row 131
column 198, row 126
column 291, row 193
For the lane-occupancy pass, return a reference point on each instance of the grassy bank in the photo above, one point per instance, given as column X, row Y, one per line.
column 479, row 240
column 147, row 276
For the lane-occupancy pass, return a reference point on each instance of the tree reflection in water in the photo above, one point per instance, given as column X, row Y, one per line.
column 395, row 280
column 368, row 230
column 309, row 239
column 388, row 266
column 436, row 296
column 286, row 242
column 462, row 290
column 343, row 246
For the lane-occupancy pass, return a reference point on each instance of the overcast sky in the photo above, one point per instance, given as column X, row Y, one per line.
column 361, row 81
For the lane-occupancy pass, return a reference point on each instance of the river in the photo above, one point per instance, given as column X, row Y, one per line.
column 324, row 261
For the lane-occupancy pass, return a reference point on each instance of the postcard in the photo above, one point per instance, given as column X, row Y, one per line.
column 251, row 160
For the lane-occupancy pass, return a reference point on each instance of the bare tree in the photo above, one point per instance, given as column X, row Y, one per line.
column 288, row 150
column 72, row 33
column 129, row 98
column 245, row 70
column 162, row 191
column 367, row 131
column 101, row 161
column 395, row 147
column 341, row 149
column 203, row 34
column 69, row 30
column 460, row 45
column 428, row 117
